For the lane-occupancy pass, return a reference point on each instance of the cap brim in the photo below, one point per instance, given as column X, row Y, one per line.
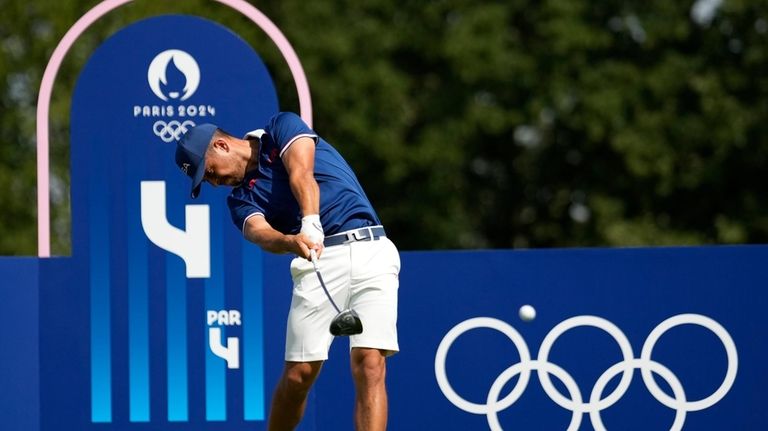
column 197, row 181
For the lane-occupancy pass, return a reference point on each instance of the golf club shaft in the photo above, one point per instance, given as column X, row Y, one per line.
column 313, row 255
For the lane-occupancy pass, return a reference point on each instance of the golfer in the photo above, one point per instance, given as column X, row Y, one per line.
column 294, row 193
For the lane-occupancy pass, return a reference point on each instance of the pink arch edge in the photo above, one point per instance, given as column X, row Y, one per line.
column 49, row 76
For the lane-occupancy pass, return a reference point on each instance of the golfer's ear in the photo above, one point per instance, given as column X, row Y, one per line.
column 221, row 144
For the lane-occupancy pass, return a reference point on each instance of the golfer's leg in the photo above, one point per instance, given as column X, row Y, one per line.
column 369, row 371
column 290, row 397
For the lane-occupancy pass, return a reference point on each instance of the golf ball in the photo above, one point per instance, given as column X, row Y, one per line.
column 527, row 313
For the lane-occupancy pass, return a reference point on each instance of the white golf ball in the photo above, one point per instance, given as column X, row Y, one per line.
column 527, row 313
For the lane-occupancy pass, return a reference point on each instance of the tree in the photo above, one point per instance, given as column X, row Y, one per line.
column 477, row 124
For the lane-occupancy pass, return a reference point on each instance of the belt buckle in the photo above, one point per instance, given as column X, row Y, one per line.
column 357, row 235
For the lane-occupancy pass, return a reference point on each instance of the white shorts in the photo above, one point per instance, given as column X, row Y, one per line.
column 361, row 275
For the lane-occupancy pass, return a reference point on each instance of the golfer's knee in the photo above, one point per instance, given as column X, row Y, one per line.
column 298, row 379
column 369, row 368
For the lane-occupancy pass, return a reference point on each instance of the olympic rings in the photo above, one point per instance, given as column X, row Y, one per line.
column 556, row 332
column 442, row 353
column 730, row 350
column 172, row 130
column 597, row 403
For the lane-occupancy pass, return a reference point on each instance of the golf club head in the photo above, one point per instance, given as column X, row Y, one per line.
column 346, row 323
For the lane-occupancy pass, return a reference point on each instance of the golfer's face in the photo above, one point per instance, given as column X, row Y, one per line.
column 219, row 172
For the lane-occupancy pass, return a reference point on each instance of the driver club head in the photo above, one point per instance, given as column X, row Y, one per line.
column 346, row 323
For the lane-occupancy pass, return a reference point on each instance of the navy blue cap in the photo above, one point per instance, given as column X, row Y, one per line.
column 190, row 153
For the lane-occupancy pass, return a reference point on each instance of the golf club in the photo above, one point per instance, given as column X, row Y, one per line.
column 346, row 322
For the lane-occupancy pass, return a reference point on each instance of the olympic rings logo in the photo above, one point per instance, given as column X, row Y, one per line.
column 597, row 402
column 172, row 130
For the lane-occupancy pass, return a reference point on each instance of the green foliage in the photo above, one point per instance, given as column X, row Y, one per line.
column 473, row 123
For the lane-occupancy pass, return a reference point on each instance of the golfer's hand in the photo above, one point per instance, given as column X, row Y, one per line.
column 312, row 228
column 303, row 244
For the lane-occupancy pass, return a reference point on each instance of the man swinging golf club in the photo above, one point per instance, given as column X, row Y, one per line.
column 294, row 193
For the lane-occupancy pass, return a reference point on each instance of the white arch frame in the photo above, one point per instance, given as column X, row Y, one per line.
column 52, row 69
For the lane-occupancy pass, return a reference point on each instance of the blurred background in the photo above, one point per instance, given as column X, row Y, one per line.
column 471, row 124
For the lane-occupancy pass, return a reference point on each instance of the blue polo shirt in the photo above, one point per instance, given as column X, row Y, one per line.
column 266, row 191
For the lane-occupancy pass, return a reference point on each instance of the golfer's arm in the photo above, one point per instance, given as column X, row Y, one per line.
column 299, row 161
column 258, row 230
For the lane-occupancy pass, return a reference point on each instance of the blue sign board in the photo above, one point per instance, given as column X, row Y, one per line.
column 629, row 339
column 20, row 356
column 623, row 339
column 173, row 317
